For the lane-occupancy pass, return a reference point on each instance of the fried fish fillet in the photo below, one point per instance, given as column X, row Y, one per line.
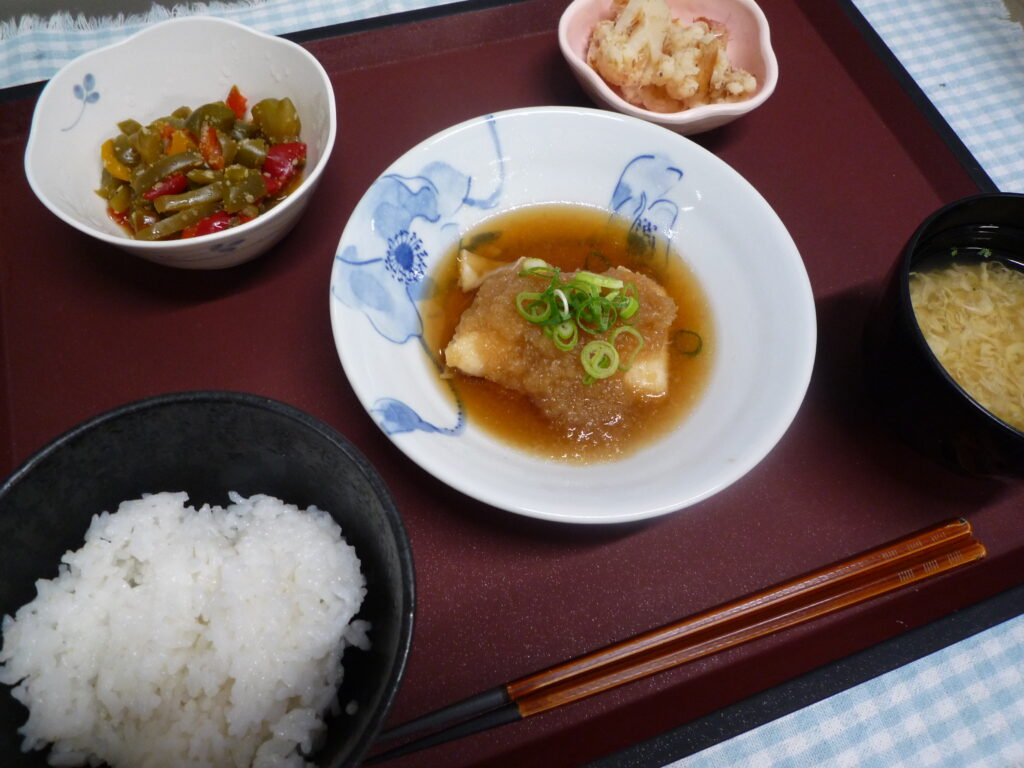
column 494, row 342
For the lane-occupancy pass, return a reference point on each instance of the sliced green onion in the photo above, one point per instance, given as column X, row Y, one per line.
column 599, row 359
column 627, row 304
column 688, row 343
column 558, row 293
column 538, row 268
column 628, row 329
column 596, row 315
column 599, row 281
column 533, row 306
column 577, row 291
column 532, row 263
column 589, row 302
column 629, row 308
column 628, row 301
column 564, row 335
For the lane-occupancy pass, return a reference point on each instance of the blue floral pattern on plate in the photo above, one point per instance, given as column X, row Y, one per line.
column 413, row 222
column 640, row 197
column 229, row 247
column 86, row 93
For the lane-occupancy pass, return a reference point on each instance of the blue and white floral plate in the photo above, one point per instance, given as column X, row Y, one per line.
column 740, row 251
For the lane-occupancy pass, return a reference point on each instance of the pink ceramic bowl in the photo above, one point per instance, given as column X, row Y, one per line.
column 749, row 48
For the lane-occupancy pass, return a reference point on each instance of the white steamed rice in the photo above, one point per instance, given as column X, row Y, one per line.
column 188, row 637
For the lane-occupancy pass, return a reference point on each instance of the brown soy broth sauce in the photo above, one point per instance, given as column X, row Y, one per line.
column 574, row 237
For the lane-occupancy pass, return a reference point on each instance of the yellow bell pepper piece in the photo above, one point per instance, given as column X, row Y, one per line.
column 180, row 142
column 114, row 167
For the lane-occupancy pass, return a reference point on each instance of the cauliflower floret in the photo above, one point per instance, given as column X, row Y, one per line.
column 662, row 64
column 626, row 49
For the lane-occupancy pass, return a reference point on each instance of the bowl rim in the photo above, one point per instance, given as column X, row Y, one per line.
column 311, row 174
column 695, row 114
column 909, row 317
column 362, row 464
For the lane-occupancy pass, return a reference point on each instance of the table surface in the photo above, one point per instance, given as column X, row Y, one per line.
column 840, row 151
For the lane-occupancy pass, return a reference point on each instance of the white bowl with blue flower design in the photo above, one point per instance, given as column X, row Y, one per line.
column 739, row 250
column 181, row 62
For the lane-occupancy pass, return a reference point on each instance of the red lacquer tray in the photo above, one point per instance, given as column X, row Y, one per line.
column 846, row 159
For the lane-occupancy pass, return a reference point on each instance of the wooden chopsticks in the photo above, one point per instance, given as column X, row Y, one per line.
column 884, row 569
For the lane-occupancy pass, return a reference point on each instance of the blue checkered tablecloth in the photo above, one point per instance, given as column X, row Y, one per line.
column 33, row 48
column 968, row 58
column 961, row 707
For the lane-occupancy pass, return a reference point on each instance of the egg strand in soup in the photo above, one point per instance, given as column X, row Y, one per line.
column 594, row 389
column 970, row 309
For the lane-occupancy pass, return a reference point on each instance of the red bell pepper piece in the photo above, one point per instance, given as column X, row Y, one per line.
column 215, row 222
column 119, row 218
column 174, row 184
column 236, row 102
column 210, row 148
column 282, row 164
column 166, row 132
